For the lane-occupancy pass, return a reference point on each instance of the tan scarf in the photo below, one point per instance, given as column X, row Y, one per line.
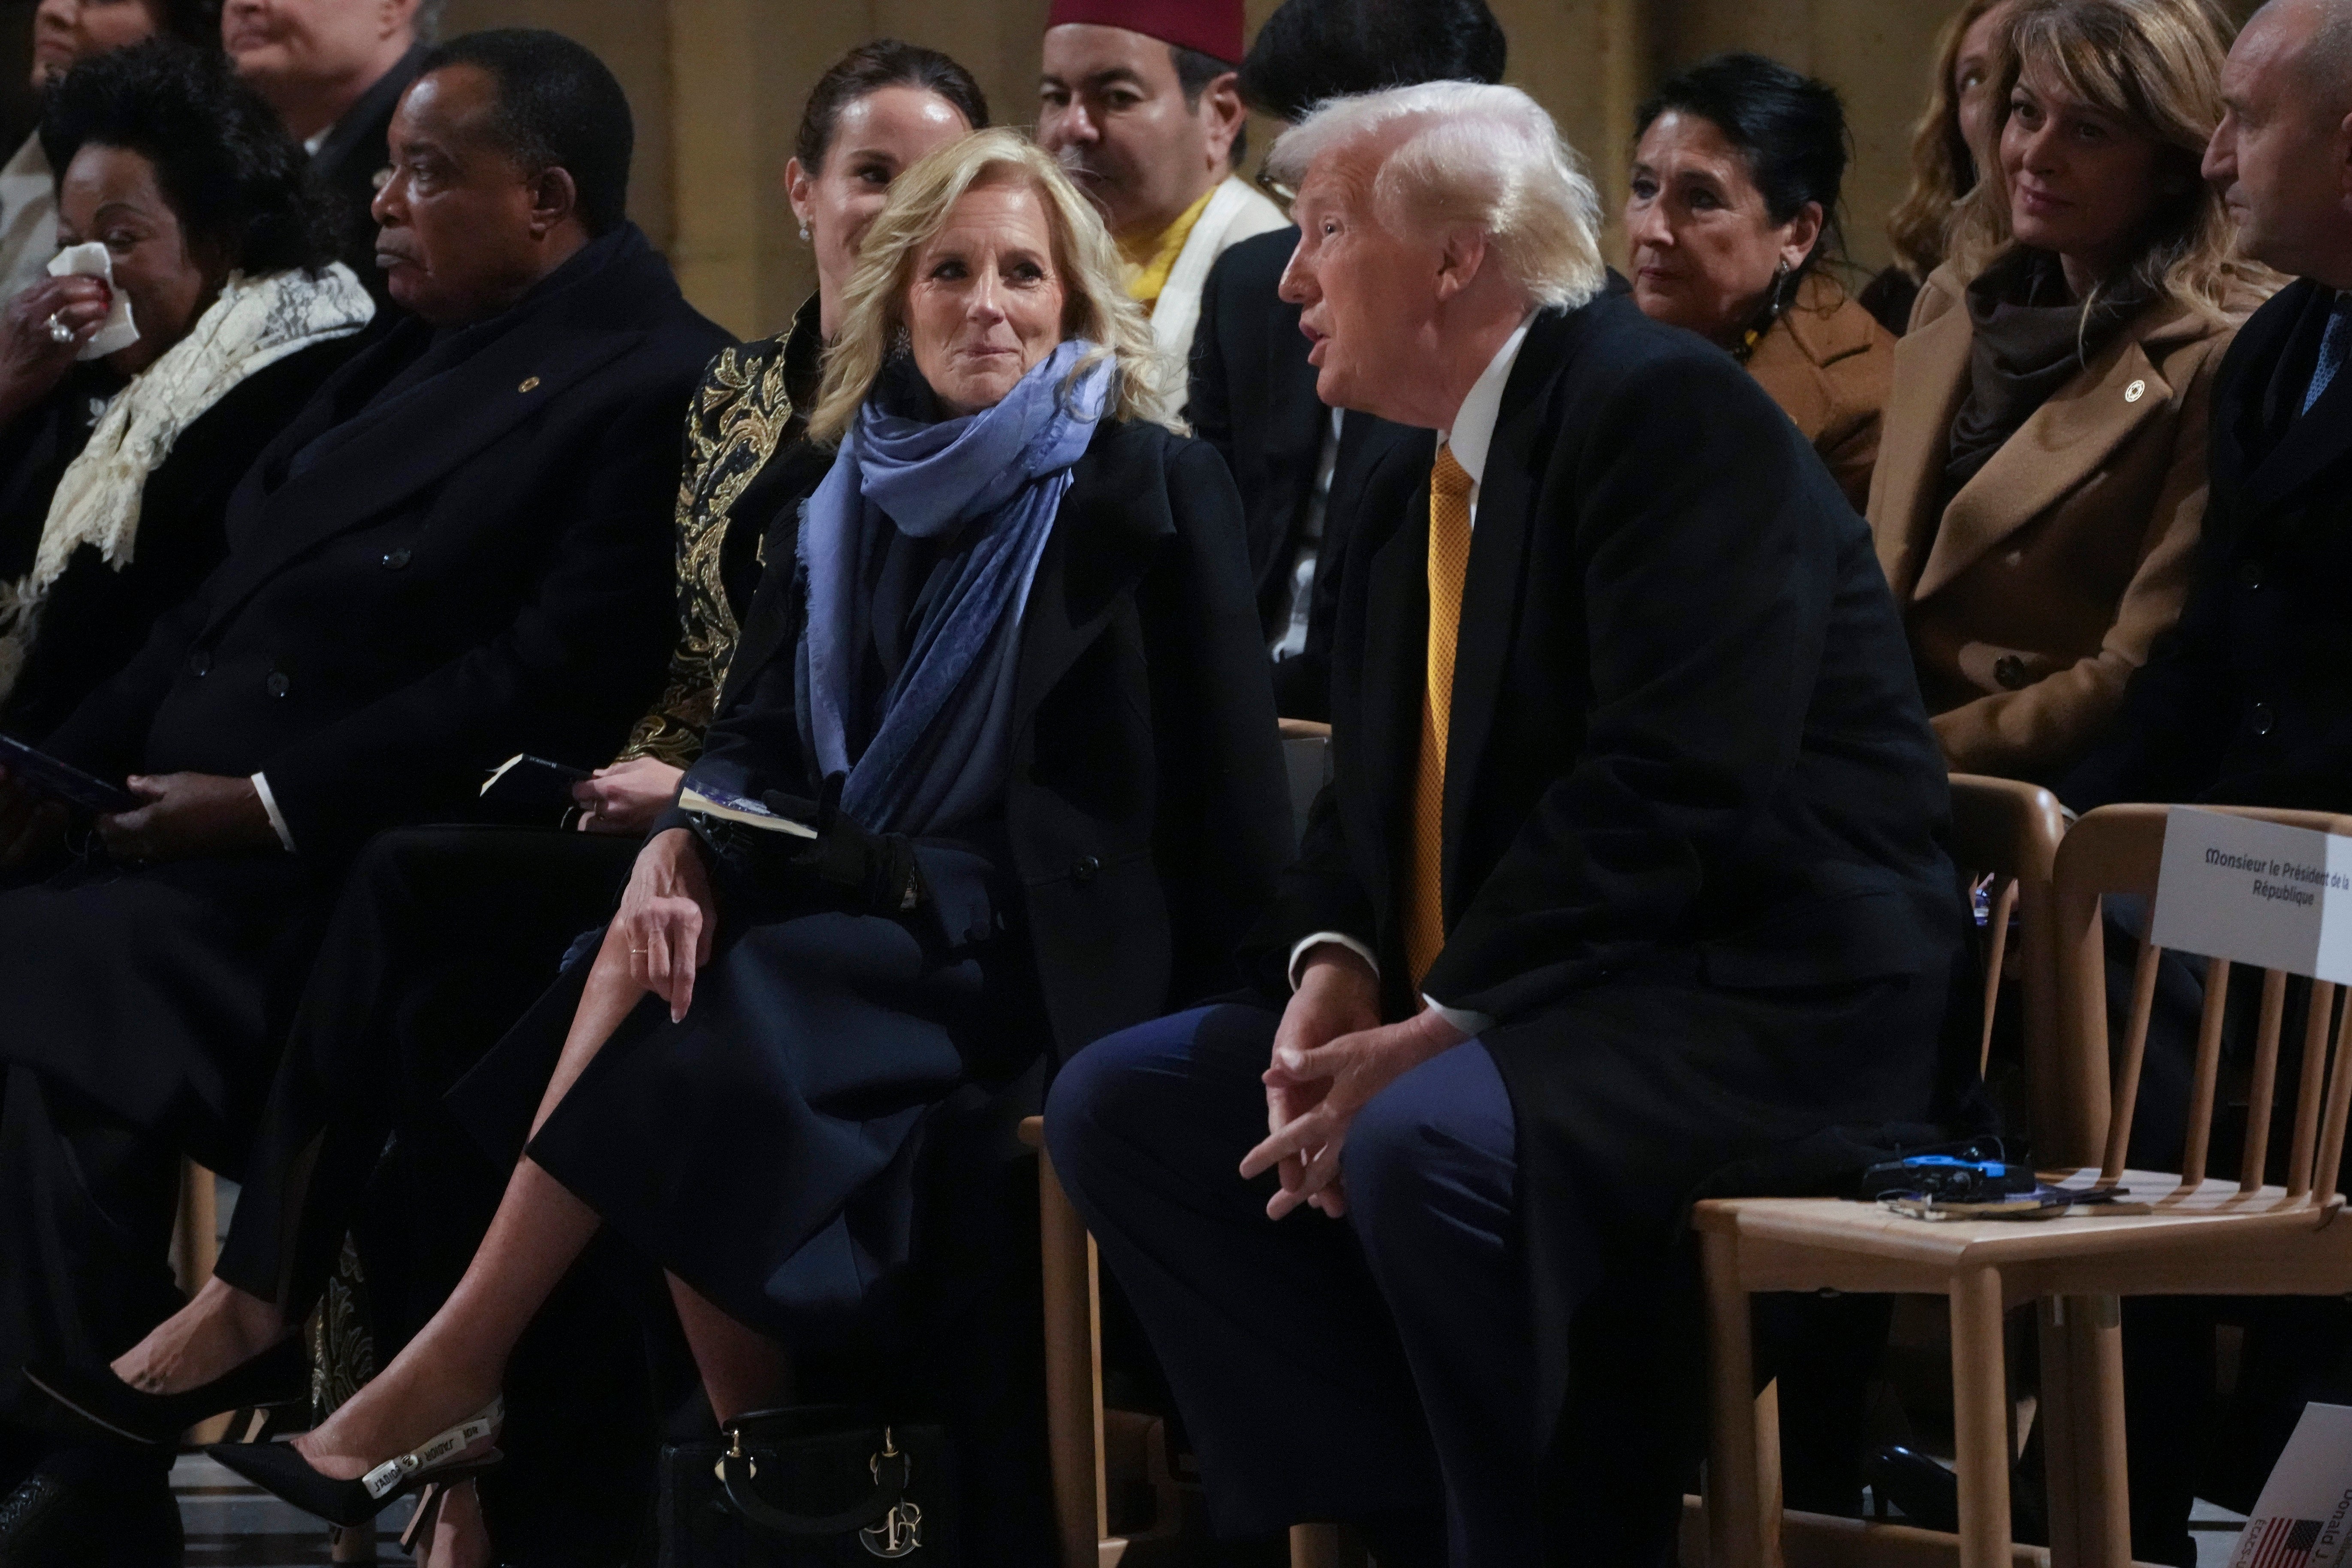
column 256, row 322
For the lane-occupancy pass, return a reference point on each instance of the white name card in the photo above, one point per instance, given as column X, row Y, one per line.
column 2254, row 892
column 2305, row 1517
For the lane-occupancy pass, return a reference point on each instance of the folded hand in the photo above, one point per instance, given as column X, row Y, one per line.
column 667, row 918
column 627, row 796
column 188, row 814
column 1324, row 1088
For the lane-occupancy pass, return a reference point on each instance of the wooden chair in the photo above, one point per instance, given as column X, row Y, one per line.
column 2010, row 833
column 1079, row 1431
column 2203, row 1238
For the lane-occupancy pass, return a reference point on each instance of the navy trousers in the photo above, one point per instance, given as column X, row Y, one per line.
column 1324, row 1371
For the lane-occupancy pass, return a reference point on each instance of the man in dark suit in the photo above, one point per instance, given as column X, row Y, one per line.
column 2247, row 703
column 334, row 70
column 459, row 550
column 1630, row 876
column 1301, row 467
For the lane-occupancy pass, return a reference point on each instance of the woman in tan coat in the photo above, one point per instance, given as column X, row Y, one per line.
column 1732, row 213
column 2042, row 485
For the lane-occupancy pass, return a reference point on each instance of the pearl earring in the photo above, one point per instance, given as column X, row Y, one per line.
column 804, row 233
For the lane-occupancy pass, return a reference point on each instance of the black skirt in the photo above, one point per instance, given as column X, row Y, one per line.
column 765, row 1150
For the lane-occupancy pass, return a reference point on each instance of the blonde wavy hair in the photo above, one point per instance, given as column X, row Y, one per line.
column 1095, row 304
column 2155, row 66
column 1943, row 165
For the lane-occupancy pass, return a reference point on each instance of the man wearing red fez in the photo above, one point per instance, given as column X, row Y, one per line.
column 1139, row 100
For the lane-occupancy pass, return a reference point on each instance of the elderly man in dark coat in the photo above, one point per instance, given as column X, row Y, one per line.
column 2246, row 702
column 1630, row 874
column 457, row 551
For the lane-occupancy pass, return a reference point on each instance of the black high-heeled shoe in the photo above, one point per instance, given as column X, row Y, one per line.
column 278, row 1375
column 282, row 1471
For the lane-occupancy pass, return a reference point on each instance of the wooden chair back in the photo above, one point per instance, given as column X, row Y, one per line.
column 2117, row 851
column 2010, row 832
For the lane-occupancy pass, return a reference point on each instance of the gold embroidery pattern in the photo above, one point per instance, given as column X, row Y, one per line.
column 741, row 415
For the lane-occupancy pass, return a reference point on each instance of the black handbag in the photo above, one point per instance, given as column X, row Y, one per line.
column 813, row 1487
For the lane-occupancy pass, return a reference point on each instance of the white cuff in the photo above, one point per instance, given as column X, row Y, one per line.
column 277, row 820
column 1471, row 1024
column 1298, row 953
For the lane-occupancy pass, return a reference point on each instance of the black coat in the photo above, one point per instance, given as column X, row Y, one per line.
column 97, row 616
column 1693, row 808
column 2248, row 700
column 474, row 568
column 350, row 163
column 1253, row 399
column 1146, row 811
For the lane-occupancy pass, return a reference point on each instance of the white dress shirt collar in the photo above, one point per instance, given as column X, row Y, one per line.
column 1473, row 424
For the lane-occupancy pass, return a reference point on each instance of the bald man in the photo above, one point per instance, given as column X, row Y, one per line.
column 2246, row 703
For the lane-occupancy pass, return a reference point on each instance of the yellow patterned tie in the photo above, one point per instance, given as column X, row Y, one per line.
column 1449, row 562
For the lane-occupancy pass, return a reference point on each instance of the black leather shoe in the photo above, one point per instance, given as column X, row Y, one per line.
column 281, row 1470
column 50, row 1522
column 1929, row 1495
column 278, row 1375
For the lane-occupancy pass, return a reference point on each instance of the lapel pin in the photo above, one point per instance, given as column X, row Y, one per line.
column 2135, row 392
column 530, row 384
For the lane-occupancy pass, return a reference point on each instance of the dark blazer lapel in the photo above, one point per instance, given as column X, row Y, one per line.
column 1492, row 588
column 1101, row 545
column 479, row 404
column 770, row 621
column 2311, row 443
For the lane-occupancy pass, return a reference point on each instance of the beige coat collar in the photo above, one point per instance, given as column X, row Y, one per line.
column 2067, row 439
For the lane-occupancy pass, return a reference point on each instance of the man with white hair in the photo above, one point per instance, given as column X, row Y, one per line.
column 1629, row 882
column 335, row 70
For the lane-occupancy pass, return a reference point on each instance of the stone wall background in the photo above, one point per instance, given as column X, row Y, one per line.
column 717, row 87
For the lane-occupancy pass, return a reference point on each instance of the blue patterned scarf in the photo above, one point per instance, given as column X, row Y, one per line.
column 939, row 754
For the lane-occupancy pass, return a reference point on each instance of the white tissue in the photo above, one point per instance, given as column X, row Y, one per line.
column 92, row 261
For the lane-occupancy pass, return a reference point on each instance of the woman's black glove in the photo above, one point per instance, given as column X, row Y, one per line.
column 867, row 873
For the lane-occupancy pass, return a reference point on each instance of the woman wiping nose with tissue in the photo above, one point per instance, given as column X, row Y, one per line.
column 193, row 312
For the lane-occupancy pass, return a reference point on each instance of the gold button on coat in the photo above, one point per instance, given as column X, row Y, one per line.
column 530, row 384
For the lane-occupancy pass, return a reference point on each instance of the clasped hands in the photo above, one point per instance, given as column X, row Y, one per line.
column 186, row 815
column 1331, row 1056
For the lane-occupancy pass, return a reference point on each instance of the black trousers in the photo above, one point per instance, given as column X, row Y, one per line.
column 139, row 1007
column 442, row 938
column 85, row 1234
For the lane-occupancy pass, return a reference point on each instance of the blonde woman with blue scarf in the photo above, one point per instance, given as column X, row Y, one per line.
column 1010, row 679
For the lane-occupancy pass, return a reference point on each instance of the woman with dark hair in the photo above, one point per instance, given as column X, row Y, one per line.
column 1733, row 220
column 65, row 33
column 444, row 935
column 200, row 312
column 2043, row 486
column 1943, row 157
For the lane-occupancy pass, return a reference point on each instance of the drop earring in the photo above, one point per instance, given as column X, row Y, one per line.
column 804, row 233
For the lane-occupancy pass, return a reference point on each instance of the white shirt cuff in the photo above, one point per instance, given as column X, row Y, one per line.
column 277, row 820
column 1471, row 1024
column 1298, row 954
